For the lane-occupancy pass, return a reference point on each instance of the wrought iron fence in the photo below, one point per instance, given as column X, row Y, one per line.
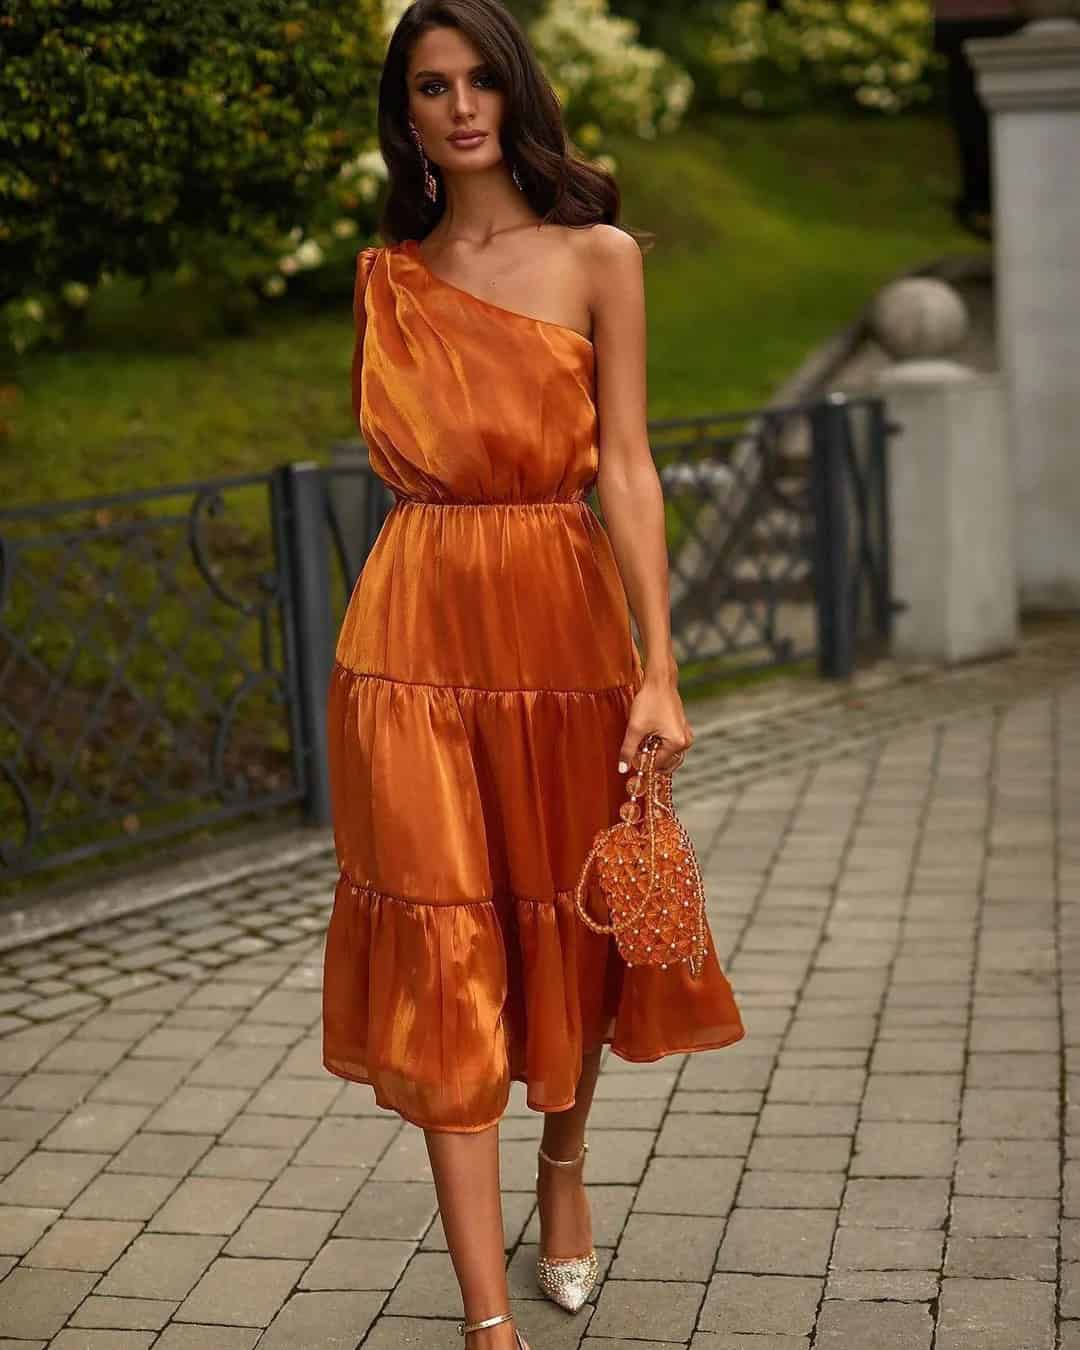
column 164, row 655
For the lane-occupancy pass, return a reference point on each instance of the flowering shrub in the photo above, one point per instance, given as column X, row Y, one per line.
column 143, row 135
column 878, row 54
column 605, row 79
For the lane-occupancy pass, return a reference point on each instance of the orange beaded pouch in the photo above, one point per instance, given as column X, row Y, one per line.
column 647, row 873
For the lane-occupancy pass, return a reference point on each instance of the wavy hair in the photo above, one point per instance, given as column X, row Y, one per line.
column 560, row 187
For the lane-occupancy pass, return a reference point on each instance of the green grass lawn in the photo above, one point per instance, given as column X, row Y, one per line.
column 771, row 234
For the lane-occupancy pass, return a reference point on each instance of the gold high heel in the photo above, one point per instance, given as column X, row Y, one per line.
column 463, row 1327
column 567, row 1282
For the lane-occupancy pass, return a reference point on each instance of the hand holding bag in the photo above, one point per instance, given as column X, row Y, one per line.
column 647, row 872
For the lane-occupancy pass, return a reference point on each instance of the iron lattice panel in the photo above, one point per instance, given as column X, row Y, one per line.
column 144, row 688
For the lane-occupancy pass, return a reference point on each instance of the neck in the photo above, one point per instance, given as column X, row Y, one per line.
column 481, row 205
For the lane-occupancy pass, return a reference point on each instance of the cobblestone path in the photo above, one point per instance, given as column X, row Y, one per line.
column 889, row 1159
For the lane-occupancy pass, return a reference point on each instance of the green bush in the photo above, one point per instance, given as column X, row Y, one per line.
column 136, row 135
column 803, row 52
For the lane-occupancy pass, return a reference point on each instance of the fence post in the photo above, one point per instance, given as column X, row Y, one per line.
column 309, row 596
column 832, row 555
column 881, row 429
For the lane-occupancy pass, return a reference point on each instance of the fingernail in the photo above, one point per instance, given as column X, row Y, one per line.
column 623, row 766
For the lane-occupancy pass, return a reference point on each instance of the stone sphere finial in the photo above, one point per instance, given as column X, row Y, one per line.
column 919, row 319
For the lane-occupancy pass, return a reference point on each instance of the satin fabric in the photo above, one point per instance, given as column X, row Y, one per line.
column 483, row 677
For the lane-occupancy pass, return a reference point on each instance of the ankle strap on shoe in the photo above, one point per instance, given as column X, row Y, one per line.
column 463, row 1327
column 564, row 1162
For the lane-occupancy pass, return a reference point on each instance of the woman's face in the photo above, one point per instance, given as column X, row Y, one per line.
column 452, row 91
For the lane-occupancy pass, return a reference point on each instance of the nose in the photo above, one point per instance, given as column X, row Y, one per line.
column 464, row 102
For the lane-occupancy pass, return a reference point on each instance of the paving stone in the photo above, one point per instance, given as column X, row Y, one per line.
column 29, row 1123
column 705, row 1137
column 804, row 1119
column 20, row 1226
column 427, row 1288
column 417, row 1333
column 235, row 1066
column 177, row 1336
column 912, row 1096
column 207, row 1205
column 348, row 1141
column 762, row 1189
column 647, row 1309
column 907, row 1286
column 56, row 1091
column 160, row 1265
column 899, row 1326
column 137, row 1314
column 774, row 1241
column 167, row 1155
column 37, row 1303
column 660, row 1247
column 995, row 1315
column 917, row 1057
column 709, row 1340
column 82, row 1244
column 989, row 1070
column 241, row 1291
column 103, row 1340
column 147, row 1081
column 903, row 1148
column 328, row 1188
column 1002, row 1257
column 888, row 1249
column 250, row 1130
column 1003, row 1113
column 684, row 1186
column 358, row 1263
column 1005, row 1167
column 389, row 1209
column 322, row 1321
column 790, row 1153
column 196, row 1110
column 50, row 1180
column 259, row 1164
column 816, row 1086
column 97, row 1126
column 281, row 1232
column 779, row 1304
column 917, row 1202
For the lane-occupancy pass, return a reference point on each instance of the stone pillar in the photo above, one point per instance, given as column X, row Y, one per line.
column 950, row 483
column 1030, row 83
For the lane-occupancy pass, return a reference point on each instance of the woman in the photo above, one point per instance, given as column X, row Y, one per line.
column 487, row 695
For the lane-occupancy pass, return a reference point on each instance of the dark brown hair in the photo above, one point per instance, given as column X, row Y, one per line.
column 560, row 187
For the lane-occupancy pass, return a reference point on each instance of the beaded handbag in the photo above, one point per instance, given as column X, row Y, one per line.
column 648, row 875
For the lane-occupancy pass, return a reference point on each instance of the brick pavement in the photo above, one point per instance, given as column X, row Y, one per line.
column 887, row 1160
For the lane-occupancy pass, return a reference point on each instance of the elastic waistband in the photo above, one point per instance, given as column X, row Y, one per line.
column 400, row 500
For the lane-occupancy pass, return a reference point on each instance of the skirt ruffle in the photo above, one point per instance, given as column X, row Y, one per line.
column 440, row 1006
column 454, row 960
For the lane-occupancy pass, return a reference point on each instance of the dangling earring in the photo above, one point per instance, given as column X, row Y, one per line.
column 517, row 178
column 431, row 187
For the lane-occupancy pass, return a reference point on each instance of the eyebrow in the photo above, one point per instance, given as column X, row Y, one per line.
column 420, row 74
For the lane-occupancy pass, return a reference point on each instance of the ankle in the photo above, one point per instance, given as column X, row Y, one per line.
column 563, row 1154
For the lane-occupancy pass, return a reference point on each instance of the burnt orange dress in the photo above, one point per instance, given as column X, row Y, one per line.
column 484, row 672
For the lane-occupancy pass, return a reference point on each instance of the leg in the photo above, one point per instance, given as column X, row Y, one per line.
column 466, row 1171
column 564, row 1207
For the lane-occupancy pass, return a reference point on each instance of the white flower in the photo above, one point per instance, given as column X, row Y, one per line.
column 75, row 293
column 288, row 265
column 273, row 287
column 309, row 254
column 34, row 310
column 344, row 228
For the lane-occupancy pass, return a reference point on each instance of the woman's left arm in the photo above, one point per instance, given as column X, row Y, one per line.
column 628, row 486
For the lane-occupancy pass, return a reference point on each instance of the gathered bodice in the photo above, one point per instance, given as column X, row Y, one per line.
column 461, row 400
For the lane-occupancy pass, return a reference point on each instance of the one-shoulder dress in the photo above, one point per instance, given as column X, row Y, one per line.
column 482, row 681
